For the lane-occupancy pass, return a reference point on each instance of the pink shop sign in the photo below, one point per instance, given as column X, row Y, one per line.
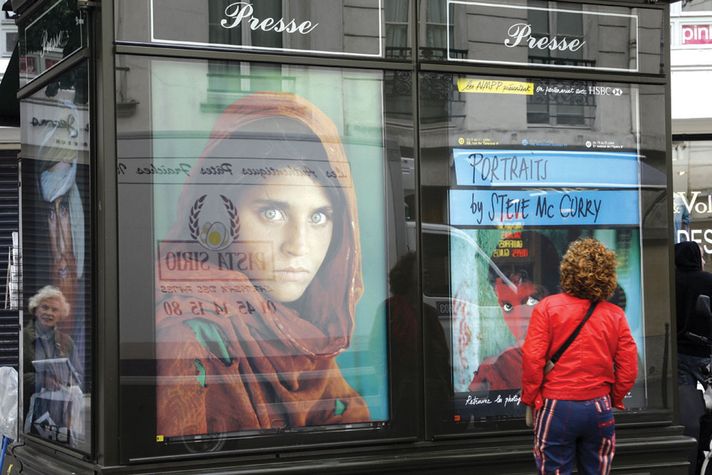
column 696, row 34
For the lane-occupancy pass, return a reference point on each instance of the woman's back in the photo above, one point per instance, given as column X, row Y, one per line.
column 585, row 370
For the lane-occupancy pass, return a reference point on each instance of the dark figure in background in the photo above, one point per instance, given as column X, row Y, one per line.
column 403, row 323
column 690, row 282
column 692, row 357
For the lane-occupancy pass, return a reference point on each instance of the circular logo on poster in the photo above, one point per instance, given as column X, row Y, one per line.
column 214, row 235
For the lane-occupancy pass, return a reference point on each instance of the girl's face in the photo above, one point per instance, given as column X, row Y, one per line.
column 517, row 305
column 296, row 216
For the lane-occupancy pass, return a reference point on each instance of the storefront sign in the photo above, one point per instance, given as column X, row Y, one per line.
column 61, row 125
column 488, row 167
column 696, row 34
column 52, row 36
column 248, row 170
column 509, row 34
column 543, row 208
column 521, row 33
column 304, row 26
column 692, row 211
column 237, row 12
column 487, row 86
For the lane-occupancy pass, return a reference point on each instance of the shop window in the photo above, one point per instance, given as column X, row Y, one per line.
column 57, row 262
column 498, row 213
column 692, row 199
column 551, row 23
column 545, row 34
column 397, row 30
column 563, row 106
column 49, row 37
column 223, row 77
column 559, row 108
column 348, row 27
column 690, row 6
column 255, row 246
column 10, row 42
column 436, row 31
column 243, row 35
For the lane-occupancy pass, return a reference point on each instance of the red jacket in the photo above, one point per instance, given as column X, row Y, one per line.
column 603, row 359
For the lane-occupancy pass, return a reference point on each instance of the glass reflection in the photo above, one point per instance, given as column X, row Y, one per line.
column 262, row 192
column 56, row 407
column 692, row 201
column 498, row 152
column 518, row 285
column 55, row 241
column 49, row 37
column 543, row 33
column 289, row 246
column 369, row 28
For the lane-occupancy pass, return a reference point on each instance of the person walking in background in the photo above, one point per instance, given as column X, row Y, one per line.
column 691, row 282
column 693, row 357
column 573, row 400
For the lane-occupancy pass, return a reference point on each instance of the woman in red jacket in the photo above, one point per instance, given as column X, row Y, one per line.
column 573, row 402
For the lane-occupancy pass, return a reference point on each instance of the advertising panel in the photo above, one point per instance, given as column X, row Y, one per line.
column 56, row 258
column 512, row 269
column 696, row 33
column 513, row 210
column 300, row 26
column 269, row 242
column 547, row 37
column 50, row 37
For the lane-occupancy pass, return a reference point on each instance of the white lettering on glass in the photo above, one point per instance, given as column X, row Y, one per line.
column 54, row 43
column 703, row 237
column 700, row 207
column 520, row 33
column 240, row 11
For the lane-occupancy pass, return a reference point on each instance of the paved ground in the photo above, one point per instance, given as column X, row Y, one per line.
column 9, row 467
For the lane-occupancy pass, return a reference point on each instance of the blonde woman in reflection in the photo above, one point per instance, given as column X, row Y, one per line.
column 54, row 400
column 256, row 349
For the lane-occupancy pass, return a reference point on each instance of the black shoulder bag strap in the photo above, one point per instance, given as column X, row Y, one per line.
column 555, row 358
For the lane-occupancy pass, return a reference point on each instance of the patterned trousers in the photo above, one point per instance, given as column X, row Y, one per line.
column 584, row 431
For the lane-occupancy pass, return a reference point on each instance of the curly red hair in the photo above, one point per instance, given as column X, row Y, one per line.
column 588, row 270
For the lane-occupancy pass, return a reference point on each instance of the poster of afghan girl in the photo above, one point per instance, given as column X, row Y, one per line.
column 265, row 259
